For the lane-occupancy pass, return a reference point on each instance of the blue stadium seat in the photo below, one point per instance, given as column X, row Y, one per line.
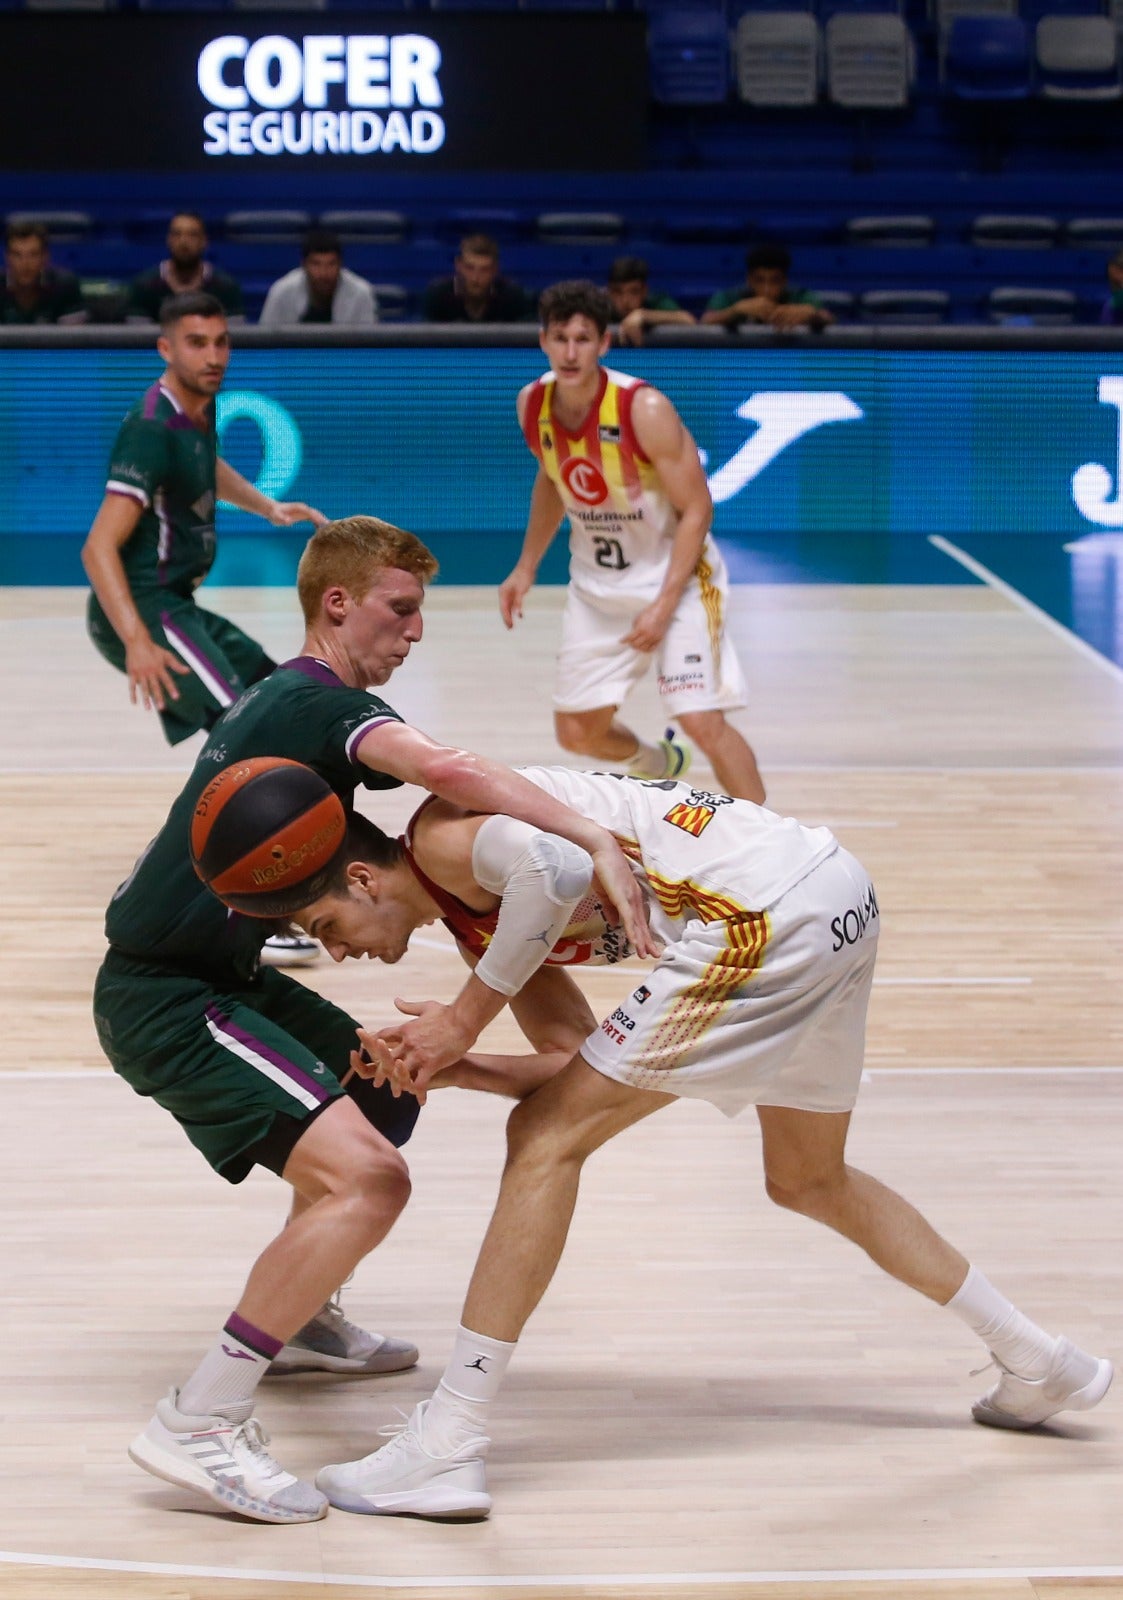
column 987, row 58
column 502, row 223
column 896, row 232
column 689, row 55
column 580, row 227
column 998, row 231
column 371, row 227
column 904, row 307
column 62, row 226
column 1041, row 308
column 839, row 302
column 1094, row 233
column 266, row 227
column 393, row 301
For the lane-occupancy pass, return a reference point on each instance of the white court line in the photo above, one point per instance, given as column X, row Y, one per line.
column 993, row 581
column 599, row 1580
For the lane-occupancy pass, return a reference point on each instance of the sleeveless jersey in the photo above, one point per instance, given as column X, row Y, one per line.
column 587, row 937
column 699, row 855
column 161, row 459
column 162, row 913
column 620, row 520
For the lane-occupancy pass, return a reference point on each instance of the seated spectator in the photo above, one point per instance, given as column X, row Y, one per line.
column 1112, row 308
column 477, row 291
column 635, row 306
column 321, row 289
column 766, row 296
column 33, row 290
column 184, row 272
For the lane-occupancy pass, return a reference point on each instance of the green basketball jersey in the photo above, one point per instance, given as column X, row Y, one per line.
column 162, row 913
column 163, row 460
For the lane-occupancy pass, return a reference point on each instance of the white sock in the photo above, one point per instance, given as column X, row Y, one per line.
column 1017, row 1342
column 649, row 761
column 224, row 1382
column 458, row 1410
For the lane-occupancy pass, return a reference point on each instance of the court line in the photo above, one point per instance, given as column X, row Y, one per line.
column 1015, row 596
column 600, row 1580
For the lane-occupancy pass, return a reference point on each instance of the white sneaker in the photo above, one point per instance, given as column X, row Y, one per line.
column 404, row 1480
column 331, row 1343
column 289, row 950
column 1075, row 1381
column 227, row 1461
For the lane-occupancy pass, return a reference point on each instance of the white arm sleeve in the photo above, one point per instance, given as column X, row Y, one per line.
column 540, row 878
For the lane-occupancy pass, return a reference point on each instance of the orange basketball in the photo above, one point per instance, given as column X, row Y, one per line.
column 265, row 835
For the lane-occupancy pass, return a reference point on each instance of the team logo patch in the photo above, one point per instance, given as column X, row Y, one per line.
column 694, row 819
column 642, row 993
column 584, row 481
column 607, row 434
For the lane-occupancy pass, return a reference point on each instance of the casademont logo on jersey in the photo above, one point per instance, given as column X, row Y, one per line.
column 584, row 481
column 321, row 94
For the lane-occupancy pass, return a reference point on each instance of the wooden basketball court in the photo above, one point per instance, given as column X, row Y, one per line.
column 716, row 1398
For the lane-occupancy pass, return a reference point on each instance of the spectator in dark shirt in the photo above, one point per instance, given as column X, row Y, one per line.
column 766, row 296
column 184, row 272
column 477, row 291
column 33, row 290
column 1112, row 309
column 635, row 305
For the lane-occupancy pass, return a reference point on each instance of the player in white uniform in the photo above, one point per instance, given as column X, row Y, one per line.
column 646, row 578
column 758, row 998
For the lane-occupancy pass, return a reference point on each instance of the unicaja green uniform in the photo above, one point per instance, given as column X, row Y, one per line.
column 167, row 464
column 243, row 1056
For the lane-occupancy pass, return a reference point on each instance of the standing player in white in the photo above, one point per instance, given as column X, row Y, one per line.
column 646, row 578
column 759, row 998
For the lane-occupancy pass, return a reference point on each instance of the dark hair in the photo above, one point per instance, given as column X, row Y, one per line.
column 195, row 304
column 364, row 841
column 321, row 242
column 773, row 256
column 26, row 228
column 479, row 244
column 628, row 269
column 195, row 216
column 576, row 297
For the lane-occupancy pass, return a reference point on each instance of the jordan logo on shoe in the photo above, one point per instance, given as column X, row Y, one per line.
column 477, row 1364
column 238, row 1355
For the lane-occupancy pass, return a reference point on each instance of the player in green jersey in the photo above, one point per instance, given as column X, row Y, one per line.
column 153, row 540
column 251, row 1062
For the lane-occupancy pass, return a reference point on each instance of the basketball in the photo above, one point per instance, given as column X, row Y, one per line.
column 265, row 835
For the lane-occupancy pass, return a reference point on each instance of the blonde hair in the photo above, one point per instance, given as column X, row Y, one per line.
column 351, row 553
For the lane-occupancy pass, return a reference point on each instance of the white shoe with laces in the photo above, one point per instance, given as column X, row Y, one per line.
column 227, row 1461
column 289, row 950
column 1075, row 1381
column 332, row 1343
column 403, row 1479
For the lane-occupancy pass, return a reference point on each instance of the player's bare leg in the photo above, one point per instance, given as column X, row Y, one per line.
column 601, row 736
column 806, row 1171
column 727, row 752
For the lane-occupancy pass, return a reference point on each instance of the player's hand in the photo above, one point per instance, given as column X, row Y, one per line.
column 648, row 629
column 787, row 317
column 620, row 889
column 149, row 667
column 286, row 512
column 408, row 1055
column 631, row 328
column 512, row 592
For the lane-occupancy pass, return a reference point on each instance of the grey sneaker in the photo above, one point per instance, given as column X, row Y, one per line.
column 331, row 1343
column 1075, row 1381
column 404, row 1480
column 289, row 950
column 227, row 1461
column 678, row 756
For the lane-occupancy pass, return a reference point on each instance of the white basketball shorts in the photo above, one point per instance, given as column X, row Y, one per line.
column 767, row 1010
column 696, row 664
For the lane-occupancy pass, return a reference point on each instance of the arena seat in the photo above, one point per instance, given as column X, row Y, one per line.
column 904, row 307
column 895, row 232
column 579, row 227
column 998, row 231
column 777, row 58
column 266, row 227
column 688, row 52
column 393, row 301
column 1094, row 233
column 869, row 60
column 371, row 227
column 1078, row 59
column 62, row 226
column 1041, row 307
column 987, row 58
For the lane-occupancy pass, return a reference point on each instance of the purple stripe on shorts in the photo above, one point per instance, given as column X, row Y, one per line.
column 191, row 647
column 254, row 1338
column 313, row 668
column 289, row 1068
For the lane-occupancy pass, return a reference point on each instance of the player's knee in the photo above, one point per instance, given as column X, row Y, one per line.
column 573, row 735
column 812, row 1194
column 376, row 1184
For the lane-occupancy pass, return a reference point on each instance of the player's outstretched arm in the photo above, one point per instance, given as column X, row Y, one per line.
column 672, row 451
column 543, row 521
column 148, row 665
column 477, row 784
column 238, row 491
